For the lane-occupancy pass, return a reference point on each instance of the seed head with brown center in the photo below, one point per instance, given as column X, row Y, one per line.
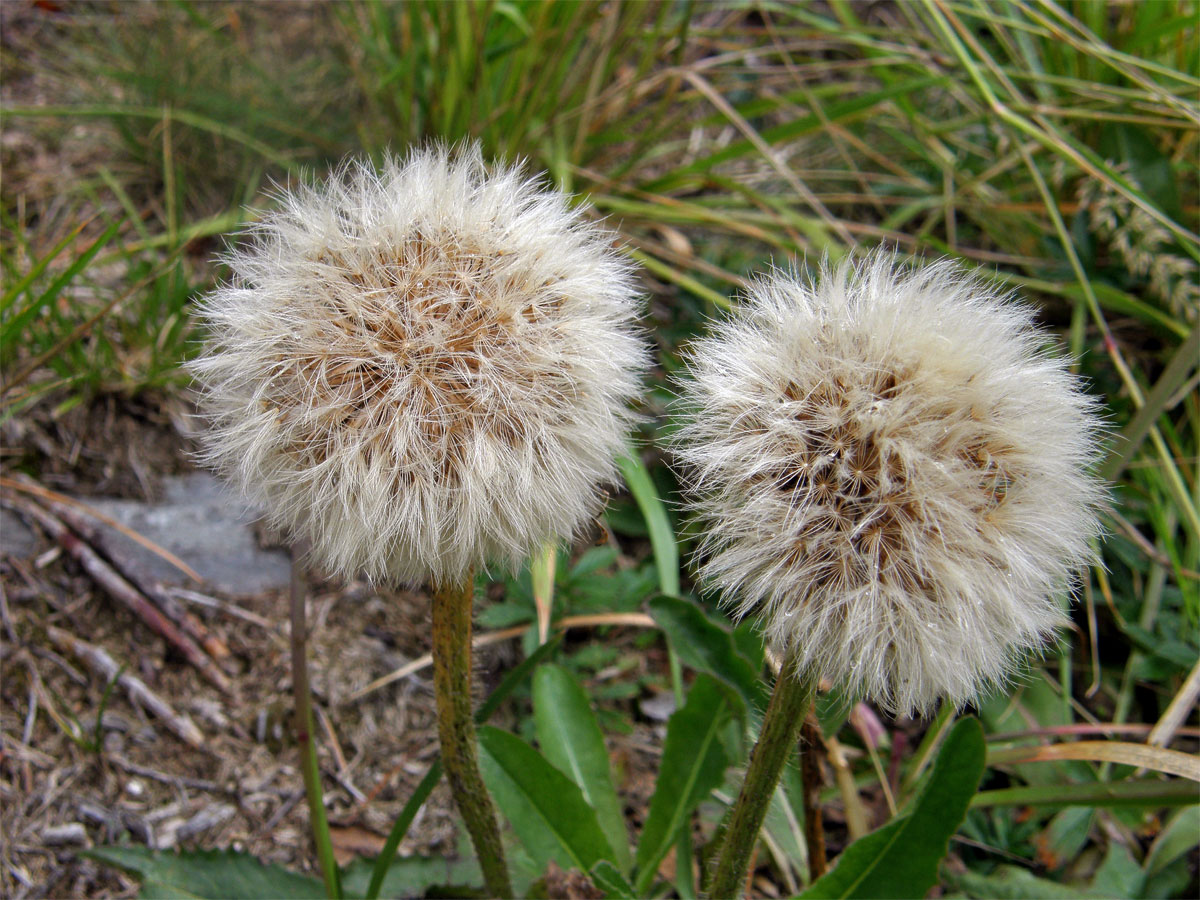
column 424, row 368
column 894, row 473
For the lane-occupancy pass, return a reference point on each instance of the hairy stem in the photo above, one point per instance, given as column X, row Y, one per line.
column 456, row 730
column 776, row 740
column 304, row 734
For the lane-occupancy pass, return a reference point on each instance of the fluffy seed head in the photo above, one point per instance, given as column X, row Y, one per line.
column 894, row 473
column 424, row 368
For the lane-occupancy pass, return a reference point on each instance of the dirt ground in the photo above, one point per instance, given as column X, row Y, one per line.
column 65, row 786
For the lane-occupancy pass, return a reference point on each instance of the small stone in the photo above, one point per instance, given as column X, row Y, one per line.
column 207, row 818
column 206, row 526
column 659, row 707
column 103, row 817
column 114, row 743
column 146, row 735
column 70, row 834
column 16, row 539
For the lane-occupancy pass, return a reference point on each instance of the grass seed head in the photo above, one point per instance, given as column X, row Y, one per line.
column 893, row 473
column 424, row 368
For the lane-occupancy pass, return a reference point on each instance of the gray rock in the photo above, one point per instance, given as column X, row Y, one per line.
column 15, row 537
column 64, row 835
column 207, row 527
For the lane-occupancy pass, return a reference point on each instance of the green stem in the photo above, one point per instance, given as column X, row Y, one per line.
column 776, row 741
column 456, row 730
column 304, row 736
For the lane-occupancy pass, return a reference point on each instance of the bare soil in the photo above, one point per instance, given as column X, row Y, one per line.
column 134, row 781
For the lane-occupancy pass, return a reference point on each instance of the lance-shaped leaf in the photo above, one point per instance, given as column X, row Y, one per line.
column 210, row 874
column 545, row 808
column 704, row 645
column 693, row 764
column 571, row 740
column 901, row 859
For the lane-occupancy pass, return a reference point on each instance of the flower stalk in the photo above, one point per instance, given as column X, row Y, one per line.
column 309, row 766
column 456, row 729
column 785, row 715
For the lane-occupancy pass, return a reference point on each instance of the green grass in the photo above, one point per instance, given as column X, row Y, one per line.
column 1054, row 147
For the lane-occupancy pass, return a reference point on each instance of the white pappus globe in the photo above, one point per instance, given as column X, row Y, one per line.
column 893, row 473
column 424, row 368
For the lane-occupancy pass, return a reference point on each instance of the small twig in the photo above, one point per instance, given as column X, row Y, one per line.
column 82, row 519
column 288, row 804
column 159, row 595
column 196, row 784
column 810, row 772
column 856, row 813
column 57, row 503
column 6, row 617
column 1105, row 728
column 107, row 668
column 1181, row 706
column 225, row 606
column 1146, row 547
column 119, row 589
column 342, row 774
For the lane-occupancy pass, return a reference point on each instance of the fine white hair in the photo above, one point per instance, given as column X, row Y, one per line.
column 423, row 368
column 894, row 473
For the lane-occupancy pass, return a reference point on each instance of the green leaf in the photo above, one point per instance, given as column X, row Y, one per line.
column 412, row 876
column 571, row 740
column 16, row 321
column 400, row 828
column 693, row 765
column 215, row 874
column 1119, row 875
column 1065, row 836
column 1150, row 792
column 545, row 808
column 662, row 538
column 606, row 877
column 1014, row 883
column 704, row 645
column 901, row 859
column 1179, row 836
column 515, row 677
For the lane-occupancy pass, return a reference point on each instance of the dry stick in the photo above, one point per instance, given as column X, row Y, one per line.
column 1185, row 701
column 107, row 668
column 83, row 525
column 857, row 822
column 776, row 742
column 304, row 732
column 456, row 730
column 814, row 825
column 55, row 501
column 120, row 589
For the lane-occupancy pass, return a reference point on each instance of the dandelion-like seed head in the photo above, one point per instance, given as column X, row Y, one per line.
column 894, row 473
column 424, row 368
